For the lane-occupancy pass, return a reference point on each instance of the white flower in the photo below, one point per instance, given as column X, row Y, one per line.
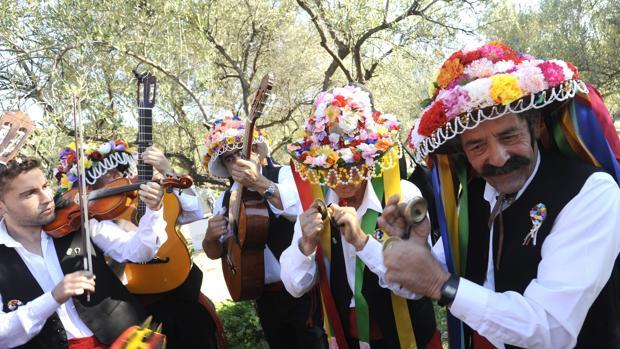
column 334, row 138
column 479, row 95
column 348, row 121
column 346, row 154
column 503, row 66
column 105, row 148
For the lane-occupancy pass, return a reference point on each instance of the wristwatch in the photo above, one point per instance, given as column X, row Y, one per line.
column 270, row 191
column 448, row 291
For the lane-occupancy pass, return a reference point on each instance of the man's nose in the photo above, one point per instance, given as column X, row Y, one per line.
column 498, row 154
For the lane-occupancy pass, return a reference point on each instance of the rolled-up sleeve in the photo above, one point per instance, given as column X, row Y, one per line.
column 191, row 206
column 138, row 246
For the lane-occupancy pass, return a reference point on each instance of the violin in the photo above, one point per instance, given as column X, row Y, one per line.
column 106, row 203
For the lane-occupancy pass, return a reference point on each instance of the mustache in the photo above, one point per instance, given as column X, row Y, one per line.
column 515, row 162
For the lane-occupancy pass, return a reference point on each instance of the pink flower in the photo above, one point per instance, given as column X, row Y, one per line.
column 554, row 74
column 531, row 80
column 492, row 52
column 480, row 68
column 455, row 101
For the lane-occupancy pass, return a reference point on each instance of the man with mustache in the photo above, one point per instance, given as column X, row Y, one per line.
column 529, row 250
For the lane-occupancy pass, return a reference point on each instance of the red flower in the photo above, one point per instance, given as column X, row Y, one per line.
column 357, row 156
column 470, row 57
column 95, row 155
column 432, row 119
column 340, row 101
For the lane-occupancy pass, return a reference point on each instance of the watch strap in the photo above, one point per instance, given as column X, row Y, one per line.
column 448, row 291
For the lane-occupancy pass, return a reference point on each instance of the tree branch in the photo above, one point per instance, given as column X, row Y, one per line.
column 336, row 58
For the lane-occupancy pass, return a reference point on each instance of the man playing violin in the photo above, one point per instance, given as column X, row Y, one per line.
column 186, row 323
column 287, row 322
column 42, row 282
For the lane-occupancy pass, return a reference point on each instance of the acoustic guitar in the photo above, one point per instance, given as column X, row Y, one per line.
column 171, row 266
column 248, row 219
column 15, row 128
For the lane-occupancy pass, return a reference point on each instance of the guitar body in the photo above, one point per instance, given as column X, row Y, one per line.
column 248, row 218
column 243, row 264
column 169, row 269
column 15, row 128
column 171, row 266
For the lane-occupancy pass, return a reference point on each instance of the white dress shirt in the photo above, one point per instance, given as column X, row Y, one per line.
column 19, row 326
column 291, row 207
column 300, row 271
column 577, row 260
column 191, row 206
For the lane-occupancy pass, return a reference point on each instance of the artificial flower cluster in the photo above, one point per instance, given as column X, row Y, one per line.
column 67, row 174
column 344, row 131
column 493, row 74
column 225, row 135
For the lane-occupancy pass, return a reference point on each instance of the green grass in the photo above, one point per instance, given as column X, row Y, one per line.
column 243, row 330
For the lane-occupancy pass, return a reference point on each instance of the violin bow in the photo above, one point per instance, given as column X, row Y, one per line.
column 83, row 194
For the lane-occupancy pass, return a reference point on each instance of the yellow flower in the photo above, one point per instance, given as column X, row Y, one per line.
column 381, row 130
column 505, row 88
column 230, row 140
column 87, row 163
column 65, row 182
column 332, row 159
column 332, row 112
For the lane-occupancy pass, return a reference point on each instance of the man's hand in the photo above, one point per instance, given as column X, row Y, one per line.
column 311, row 228
column 411, row 264
column 74, row 284
column 151, row 194
column 346, row 219
column 156, row 158
column 246, row 173
column 392, row 221
column 217, row 227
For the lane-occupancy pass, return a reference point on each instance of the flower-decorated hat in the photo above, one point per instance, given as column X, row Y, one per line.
column 99, row 159
column 344, row 141
column 486, row 83
column 227, row 135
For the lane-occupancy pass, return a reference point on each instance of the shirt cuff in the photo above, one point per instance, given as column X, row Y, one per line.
column 303, row 263
column 470, row 303
column 372, row 255
column 37, row 312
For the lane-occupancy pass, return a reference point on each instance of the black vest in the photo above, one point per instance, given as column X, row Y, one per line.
column 379, row 301
column 280, row 228
column 111, row 310
column 519, row 264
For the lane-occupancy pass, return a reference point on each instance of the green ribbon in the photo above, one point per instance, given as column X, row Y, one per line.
column 369, row 223
column 460, row 165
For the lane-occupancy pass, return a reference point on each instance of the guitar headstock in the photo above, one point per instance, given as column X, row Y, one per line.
column 15, row 127
column 148, row 84
column 260, row 98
